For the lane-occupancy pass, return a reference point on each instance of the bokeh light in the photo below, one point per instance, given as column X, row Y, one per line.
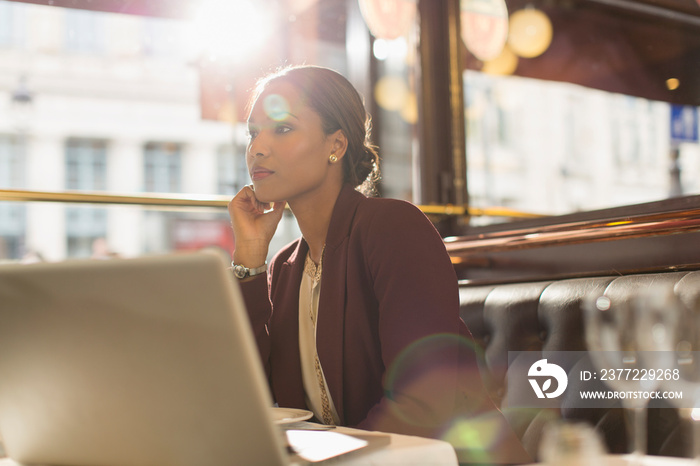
column 383, row 49
column 380, row 49
column 695, row 414
column 391, row 93
column 672, row 84
column 504, row 64
column 530, row 32
column 409, row 111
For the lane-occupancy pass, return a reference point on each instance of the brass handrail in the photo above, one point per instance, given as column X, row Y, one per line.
column 213, row 200
column 162, row 200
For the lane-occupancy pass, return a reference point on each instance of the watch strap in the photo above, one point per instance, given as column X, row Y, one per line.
column 241, row 271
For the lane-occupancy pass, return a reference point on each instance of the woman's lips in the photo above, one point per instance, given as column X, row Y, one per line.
column 260, row 173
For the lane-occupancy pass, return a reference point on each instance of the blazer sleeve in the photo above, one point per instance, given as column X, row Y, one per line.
column 429, row 374
column 417, row 295
column 432, row 384
column 257, row 300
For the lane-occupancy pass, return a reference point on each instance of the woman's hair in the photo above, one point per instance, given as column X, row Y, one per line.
column 340, row 107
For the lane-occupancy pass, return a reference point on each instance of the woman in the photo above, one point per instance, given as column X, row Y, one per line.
column 358, row 320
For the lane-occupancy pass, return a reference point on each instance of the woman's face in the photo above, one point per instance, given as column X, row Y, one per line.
column 288, row 152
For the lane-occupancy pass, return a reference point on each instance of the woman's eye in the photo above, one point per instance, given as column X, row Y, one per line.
column 252, row 133
column 282, row 129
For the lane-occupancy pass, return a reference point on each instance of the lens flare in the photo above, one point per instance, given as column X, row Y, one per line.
column 425, row 377
column 478, row 436
column 276, row 107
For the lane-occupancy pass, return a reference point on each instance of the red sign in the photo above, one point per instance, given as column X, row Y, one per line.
column 388, row 19
column 191, row 235
column 484, row 27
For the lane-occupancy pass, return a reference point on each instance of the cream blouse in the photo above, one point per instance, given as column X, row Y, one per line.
column 318, row 398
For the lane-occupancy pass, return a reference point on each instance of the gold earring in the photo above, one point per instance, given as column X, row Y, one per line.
column 333, row 158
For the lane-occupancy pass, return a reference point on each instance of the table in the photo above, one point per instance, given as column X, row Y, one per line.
column 402, row 450
column 649, row 460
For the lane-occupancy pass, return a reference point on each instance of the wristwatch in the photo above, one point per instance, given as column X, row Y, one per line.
column 241, row 271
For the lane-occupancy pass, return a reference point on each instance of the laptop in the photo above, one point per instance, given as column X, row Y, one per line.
column 132, row 362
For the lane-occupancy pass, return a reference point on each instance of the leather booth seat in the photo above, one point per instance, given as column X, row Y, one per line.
column 547, row 316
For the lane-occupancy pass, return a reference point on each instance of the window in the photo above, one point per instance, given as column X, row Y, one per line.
column 585, row 121
column 86, row 164
column 232, row 172
column 12, row 24
column 86, row 169
column 163, row 38
column 12, row 214
column 162, row 167
column 133, row 81
column 84, row 31
column 12, row 157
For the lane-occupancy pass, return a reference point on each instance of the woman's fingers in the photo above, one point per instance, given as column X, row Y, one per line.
column 245, row 201
column 254, row 224
column 252, row 218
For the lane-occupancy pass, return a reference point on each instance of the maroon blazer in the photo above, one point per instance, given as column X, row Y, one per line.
column 394, row 351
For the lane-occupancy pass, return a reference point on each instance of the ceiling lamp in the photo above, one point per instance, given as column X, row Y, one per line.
column 484, row 27
column 530, row 32
column 388, row 19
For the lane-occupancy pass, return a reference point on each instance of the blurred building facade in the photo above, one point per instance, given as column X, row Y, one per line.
column 107, row 102
column 102, row 102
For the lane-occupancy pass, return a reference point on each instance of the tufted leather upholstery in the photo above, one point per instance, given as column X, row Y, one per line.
column 547, row 316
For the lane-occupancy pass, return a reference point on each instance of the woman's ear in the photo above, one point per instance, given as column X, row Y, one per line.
column 340, row 143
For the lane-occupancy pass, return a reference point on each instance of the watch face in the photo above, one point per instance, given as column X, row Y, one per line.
column 240, row 271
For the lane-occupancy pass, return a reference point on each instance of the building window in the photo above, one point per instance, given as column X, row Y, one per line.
column 12, row 157
column 86, row 164
column 12, row 24
column 12, row 214
column 163, row 38
column 162, row 170
column 84, row 31
column 232, row 171
column 86, row 169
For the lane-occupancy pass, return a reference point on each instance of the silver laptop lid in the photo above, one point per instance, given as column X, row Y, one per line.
column 131, row 362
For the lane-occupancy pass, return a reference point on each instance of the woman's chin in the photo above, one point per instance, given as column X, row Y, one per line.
column 264, row 196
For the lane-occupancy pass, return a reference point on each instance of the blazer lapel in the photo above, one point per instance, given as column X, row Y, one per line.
column 285, row 367
column 330, row 340
column 331, row 322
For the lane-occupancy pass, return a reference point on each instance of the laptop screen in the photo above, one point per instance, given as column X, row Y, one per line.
column 131, row 361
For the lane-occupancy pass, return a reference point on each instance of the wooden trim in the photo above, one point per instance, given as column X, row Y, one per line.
column 640, row 226
column 441, row 115
column 652, row 237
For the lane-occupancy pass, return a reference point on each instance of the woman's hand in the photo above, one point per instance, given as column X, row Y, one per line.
column 253, row 224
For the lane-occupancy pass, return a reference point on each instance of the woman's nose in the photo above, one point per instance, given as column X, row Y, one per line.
column 252, row 154
column 258, row 147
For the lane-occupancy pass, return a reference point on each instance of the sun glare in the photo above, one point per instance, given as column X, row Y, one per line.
column 229, row 30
